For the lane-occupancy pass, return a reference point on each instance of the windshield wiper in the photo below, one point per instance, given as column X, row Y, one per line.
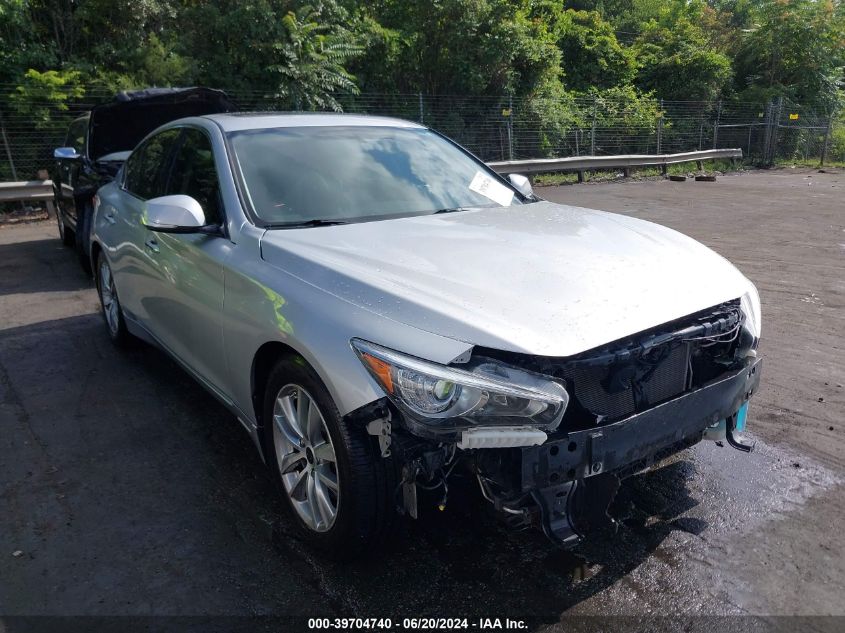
column 451, row 210
column 305, row 223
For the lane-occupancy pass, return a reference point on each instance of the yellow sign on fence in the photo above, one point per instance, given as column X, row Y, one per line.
column 793, row 117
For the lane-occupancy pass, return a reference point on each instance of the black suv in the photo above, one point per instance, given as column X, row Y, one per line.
column 98, row 143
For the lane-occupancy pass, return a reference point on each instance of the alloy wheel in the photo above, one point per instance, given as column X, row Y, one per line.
column 306, row 458
column 108, row 296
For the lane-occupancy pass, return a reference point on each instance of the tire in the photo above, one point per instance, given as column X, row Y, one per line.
column 83, row 237
column 110, row 304
column 65, row 234
column 363, row 502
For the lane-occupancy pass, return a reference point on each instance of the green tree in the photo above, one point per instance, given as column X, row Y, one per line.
column 482, row 47
column 20, row 47
column 311, row 61
column 796, row 49
column 381, row 52
column 317, row 54
column 94, row 32
column 276, row 53
column 591, row 56
column 677, row 62
column 230, row 41
column 40, row 95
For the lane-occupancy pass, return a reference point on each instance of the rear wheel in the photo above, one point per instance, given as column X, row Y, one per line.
column 110, row 304
column 335, row 482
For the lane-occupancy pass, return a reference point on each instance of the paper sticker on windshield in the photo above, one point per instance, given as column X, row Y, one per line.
column 489, row 188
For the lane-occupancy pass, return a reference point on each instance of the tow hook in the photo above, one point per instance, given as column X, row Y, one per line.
column 737, row 423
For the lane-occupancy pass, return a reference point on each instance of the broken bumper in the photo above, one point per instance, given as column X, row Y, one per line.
column 551, row 472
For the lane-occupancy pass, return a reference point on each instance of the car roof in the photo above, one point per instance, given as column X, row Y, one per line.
column 235, row 121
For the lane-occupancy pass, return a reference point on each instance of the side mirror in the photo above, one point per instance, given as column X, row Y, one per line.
column 521, row 184
column 66, row 153
column 175, row 214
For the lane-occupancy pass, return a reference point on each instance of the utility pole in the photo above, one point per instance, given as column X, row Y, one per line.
column 421, row 108
column 593, row 131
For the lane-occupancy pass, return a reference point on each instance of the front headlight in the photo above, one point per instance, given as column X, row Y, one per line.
column 445, row 399
column 749, row 303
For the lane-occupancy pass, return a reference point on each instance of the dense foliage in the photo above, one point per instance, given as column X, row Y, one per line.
column 550, row 71
column 304, row 53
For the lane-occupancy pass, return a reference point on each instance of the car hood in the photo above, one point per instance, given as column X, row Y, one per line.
column 541, row 278
column 120, row 124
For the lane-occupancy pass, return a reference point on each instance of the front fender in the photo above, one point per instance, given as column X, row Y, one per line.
column 266, row 304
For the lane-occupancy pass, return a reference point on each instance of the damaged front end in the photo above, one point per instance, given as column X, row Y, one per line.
column 548, row 439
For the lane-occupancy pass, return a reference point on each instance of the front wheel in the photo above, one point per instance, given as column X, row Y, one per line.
column 335, row 482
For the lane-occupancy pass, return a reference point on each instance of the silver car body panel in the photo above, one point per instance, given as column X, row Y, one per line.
column 540, row 278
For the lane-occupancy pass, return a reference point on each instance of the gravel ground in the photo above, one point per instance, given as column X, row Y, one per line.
column 126, row 490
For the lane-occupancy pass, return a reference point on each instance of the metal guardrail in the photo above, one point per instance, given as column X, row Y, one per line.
column 29, row 191
column 42, row 190
column 592, row 163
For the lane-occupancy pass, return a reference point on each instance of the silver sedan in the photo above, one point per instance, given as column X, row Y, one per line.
column 381, row 312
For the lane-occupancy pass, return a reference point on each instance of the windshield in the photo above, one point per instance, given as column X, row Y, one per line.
column 354, row 173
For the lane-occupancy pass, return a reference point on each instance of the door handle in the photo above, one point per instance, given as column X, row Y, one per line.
column 109, row 216
column 151, row 244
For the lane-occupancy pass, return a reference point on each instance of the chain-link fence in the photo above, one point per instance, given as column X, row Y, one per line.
column 499, row 128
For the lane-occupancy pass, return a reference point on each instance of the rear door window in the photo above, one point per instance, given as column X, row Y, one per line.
column 146, row 167
column 194, row 174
